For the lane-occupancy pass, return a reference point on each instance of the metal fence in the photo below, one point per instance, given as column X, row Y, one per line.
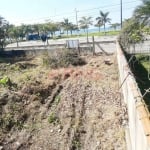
column 140, row 48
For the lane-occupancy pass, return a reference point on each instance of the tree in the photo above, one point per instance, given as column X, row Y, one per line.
column 22, row 30
column 99, row 22
column 85, row 22
column 59, row 27
column 51, row 27
column 25, row 30
column 14, row 33
column 142, row 12
column 66, row 25
column 72, row 27
column 3, row 31
column 36, row 28
column 131, row 33
column 115, row 25
column 135, row 28
column 104, row 19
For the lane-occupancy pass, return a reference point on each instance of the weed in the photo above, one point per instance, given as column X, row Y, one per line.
column 7, row 122
column 76, row 145
column 5, row 81
column 57, row 99
column 52, row 118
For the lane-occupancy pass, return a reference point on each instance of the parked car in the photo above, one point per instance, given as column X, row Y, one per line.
column 33, row 37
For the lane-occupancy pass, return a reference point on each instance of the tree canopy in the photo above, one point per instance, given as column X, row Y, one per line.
column 137, row 27
column 104, row 19
column 85, row 22
column 3, row 31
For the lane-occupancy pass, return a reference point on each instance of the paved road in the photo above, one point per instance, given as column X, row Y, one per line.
column 105, row 44
column 62, row 41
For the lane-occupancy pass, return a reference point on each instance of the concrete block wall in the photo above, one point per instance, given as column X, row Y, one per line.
column 139, row 120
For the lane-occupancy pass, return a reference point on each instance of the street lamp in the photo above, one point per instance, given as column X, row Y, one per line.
column 121, row 12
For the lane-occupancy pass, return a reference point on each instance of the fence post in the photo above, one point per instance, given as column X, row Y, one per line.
column 93, row 45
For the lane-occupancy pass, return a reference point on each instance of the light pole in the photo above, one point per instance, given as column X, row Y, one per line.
column 76, row 16
column 121, row 13
column 77, row 20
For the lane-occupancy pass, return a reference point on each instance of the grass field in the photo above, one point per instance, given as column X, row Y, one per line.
column 108, row 33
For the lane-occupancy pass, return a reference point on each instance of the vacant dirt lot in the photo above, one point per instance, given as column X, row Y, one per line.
column 74, row 108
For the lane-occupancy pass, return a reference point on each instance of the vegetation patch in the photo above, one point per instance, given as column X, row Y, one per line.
column 59, row 107
column 53, row 118
column 63, row 58
column 5, row 81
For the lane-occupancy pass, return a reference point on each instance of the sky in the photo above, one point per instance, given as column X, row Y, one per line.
column 39, row 11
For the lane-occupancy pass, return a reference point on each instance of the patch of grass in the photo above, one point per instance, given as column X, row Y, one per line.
column 101, row 33
column 7, row 122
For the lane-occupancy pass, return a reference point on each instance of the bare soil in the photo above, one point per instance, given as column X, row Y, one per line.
column 74, row 108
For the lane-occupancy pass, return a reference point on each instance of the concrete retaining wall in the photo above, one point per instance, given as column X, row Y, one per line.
column 139, row 121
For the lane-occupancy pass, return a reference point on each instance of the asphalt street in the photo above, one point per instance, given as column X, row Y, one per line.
column 106, row 43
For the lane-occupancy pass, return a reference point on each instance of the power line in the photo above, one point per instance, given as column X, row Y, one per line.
column 94, row 14
column 108, row 6
column 79, row 12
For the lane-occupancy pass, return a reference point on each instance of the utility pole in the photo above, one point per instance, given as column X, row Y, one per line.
column 121, row 13
column 76, row 16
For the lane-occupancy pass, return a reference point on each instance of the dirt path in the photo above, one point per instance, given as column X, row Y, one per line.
column 81, row 110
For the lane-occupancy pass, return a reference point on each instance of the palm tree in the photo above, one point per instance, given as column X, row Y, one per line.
column 99, row 22
column 72, row 27
column 85, row 22
column 66, row 25
column 105, row 19
column 142, row 13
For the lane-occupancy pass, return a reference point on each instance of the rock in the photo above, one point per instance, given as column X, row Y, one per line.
column 1, row 148
column 108, row 62
column 17, row 144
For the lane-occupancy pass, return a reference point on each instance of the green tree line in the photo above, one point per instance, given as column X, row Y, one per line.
column 136, row 28
column 13, row 33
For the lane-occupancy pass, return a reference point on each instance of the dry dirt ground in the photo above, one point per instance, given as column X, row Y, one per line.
column 74, row 108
